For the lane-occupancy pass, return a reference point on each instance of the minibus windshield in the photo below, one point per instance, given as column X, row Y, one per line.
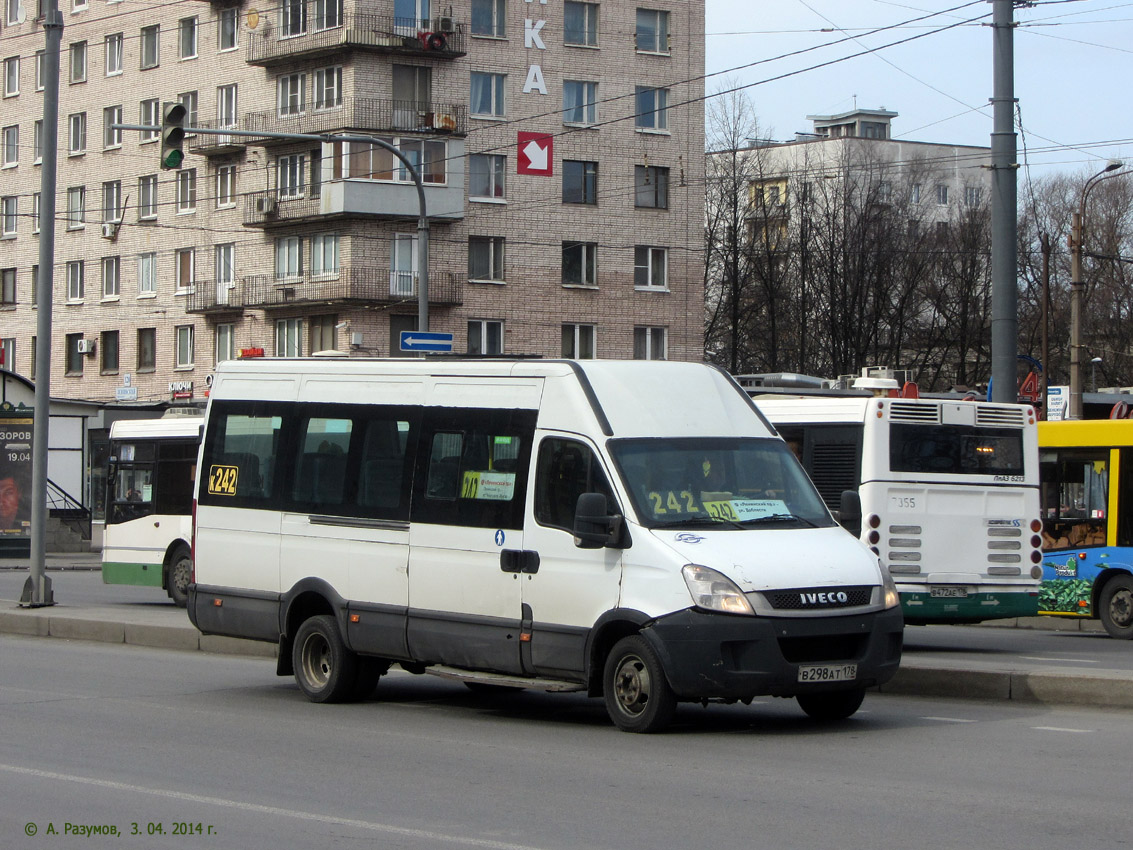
column 717, row 482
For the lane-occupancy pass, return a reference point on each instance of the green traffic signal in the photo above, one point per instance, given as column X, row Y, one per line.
column 172, row 134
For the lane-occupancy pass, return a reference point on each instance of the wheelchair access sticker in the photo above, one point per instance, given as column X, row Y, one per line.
column 222, row 480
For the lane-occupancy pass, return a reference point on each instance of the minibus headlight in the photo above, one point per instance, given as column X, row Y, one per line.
column 889, row 596
column 714, row 591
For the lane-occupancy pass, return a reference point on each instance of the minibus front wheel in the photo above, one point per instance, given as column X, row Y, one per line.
column 637, row 693
column 324, row 668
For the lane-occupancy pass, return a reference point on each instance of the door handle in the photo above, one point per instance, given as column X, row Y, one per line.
column 519, row 561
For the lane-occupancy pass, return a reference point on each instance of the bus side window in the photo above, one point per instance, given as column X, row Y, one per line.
column 565, row 470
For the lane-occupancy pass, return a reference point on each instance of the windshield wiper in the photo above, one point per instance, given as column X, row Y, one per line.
column 699, row 522
column 780, row 518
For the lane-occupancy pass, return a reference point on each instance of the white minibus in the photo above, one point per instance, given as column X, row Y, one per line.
column 634, row 530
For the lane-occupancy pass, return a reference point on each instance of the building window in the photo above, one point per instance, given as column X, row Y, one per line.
column 76, row 207
column 76, row 274
column 149, row 114
column 652, row 34
column 580, row 102
column 108, row 353
column 489, row 18
column 580, row 182
column 226, row 106
column 35, row 212
column 184, row 341
column 651, row 186
column 12, row 76
column 485, row 336
column 291, row 90
column 650, row 267
column 487, row 98
column 187, row 38
column 185, row 269
column 486, row 258
column 288, row 257
column 40, row 59
column 916, row 193
column 111, row 277
column 11, row 152
column 579, row 342
column 151, row 37
column 186, row 190
column 111, row 138
column 112, row 201
column 580, row 263
column 147, row 273
column 288, row 338
column 225, row 186
column 147, row 197
column 113, row 48
column 77, row 134
column 225, row 269
column 972, row 196
column 328, row 88
column 324, row 335
column 292, row 18
column 225, row 342
column 328, row 14
column 189, row 101
column 649, row 343
column 941, row 194
column 324, row 254
column 8, row 353
column 78, row 62
column 9, row 208
column 289, row 172
column 652, row 108
column 8, row 293
column 73, row 364
column 486, row 175
column 147, row 349
column 228, row 29
column 580, row 24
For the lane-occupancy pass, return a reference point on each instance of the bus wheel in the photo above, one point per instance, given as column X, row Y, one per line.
column 177, row 576
column 324, row 668
column 835, row 705
column 638, row 696
column 1115, row 607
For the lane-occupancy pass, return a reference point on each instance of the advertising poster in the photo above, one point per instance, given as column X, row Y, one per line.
column 15, row 473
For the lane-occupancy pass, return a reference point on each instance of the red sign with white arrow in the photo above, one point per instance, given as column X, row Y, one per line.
column 536, row 154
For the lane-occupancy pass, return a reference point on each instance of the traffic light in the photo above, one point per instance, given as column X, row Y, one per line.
column 172, row 134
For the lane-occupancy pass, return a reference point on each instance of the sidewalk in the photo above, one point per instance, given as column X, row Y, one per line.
column 927, row 671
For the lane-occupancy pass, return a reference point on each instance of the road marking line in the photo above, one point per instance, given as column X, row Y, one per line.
column 1061, row 660
column 950, row 719
column 274, row 811
column 1062, row 729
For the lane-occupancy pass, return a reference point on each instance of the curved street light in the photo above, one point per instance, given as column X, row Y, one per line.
column 1076, row 287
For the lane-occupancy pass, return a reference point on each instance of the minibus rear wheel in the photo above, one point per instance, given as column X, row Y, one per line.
column 637, row 693
column 833, row 705
column 324, row 668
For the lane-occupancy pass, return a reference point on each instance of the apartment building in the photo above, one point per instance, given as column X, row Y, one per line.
column 560, row 147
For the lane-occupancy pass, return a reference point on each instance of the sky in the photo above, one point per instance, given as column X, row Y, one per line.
column 1073, row 71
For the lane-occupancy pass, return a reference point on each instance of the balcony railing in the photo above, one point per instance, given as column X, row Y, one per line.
column 352, row 285
column 439, row 37
column 264, row 209
column 208, row 144
column 361, row 114
column 208, row 296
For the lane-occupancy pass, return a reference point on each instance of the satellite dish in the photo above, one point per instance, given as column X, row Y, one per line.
column 253, row 19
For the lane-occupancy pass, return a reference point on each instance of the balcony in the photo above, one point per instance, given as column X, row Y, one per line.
column 439, row 38
column 351, row 287
column 208, row 144
column 363, row 115
column 209, row 298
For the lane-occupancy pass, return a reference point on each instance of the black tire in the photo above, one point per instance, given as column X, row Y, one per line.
column 1115, row 607
column 178, row 574
column 324, row 668
column 638, row 695
column 832, row 705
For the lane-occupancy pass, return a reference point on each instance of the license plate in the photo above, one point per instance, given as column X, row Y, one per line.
column 828, row 672
column 950, row 592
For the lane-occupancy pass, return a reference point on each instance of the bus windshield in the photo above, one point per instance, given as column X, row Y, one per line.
column 733, row 482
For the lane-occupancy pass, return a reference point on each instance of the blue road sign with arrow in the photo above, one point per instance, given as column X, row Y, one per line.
column 426, row 341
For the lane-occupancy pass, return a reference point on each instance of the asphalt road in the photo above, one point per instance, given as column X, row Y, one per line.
column 112, row 736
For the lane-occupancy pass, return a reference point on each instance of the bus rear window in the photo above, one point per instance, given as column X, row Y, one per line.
column 956, row 450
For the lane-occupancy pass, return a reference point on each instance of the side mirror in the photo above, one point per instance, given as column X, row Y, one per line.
column 850, row 512
column 594, row 527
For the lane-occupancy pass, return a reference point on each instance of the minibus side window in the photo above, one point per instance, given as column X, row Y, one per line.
column 382, row 475
column 565, row 470
column 240, row 461
column 320, row 467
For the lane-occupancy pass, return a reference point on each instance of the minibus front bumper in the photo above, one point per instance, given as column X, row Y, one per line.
column 707, row 655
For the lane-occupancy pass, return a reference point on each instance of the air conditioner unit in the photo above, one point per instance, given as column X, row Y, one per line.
column 443, row 25
column 265, row 205
column 109, row 229
column 85, row 346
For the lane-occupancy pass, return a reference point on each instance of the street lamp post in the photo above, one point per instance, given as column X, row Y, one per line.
column 1076, row 287
column 1094, row 369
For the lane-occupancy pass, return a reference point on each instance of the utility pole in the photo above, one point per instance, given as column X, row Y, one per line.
column 1004, row 248
column 37, row 589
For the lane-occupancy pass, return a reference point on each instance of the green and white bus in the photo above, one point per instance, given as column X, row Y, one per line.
column 949, row 494
column 149, row 503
